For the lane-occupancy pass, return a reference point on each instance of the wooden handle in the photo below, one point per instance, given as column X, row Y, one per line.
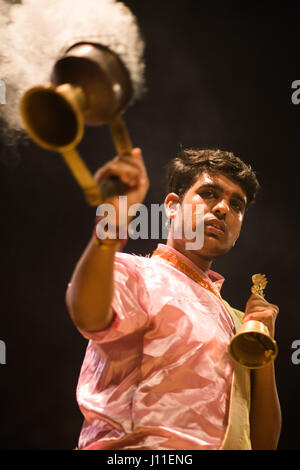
column 111, row 186
column 83, row 176
column 120, row 135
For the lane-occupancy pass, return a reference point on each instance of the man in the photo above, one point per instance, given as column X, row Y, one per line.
column 157, row 373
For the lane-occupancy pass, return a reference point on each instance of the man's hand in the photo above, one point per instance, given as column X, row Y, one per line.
column 260, row 309
column 265, row 413
column 131, row 171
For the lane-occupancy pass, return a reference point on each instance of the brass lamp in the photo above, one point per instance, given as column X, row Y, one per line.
column 88, row 85
column 253, row 347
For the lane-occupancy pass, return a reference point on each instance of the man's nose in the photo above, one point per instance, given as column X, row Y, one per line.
column 221, row 209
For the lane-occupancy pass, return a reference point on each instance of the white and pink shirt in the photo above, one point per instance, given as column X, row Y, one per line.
column 160, row 376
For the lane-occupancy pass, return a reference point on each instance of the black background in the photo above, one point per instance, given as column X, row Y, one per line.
column 218, row 75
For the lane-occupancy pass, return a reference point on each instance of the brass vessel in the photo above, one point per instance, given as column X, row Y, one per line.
column 253, row 347
column 88, row 85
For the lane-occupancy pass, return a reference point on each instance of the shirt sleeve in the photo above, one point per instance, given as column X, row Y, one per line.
column 129, row 302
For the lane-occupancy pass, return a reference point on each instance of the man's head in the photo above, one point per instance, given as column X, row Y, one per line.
column 222, row 184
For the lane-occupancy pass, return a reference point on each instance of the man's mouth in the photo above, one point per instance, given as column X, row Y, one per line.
column 216, row 227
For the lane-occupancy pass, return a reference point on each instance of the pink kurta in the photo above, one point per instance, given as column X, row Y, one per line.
column 159, row 377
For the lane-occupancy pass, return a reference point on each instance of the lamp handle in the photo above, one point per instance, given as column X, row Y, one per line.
column 94, row 194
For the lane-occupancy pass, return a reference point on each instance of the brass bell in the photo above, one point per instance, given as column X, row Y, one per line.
column 253, row 347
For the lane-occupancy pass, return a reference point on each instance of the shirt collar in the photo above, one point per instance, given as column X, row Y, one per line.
column 215, row 279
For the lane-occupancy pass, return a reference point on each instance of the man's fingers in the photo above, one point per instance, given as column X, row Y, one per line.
column 270, row 312
column 127, row 173
column 137, row 155
column 131, row 171
column 259, row 301
column 256, row 300
column 135, row 160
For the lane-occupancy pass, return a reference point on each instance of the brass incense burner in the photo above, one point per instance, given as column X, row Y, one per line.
column 252, row 347
column 88, row 85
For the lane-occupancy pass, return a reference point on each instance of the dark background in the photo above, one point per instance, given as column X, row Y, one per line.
column 218, row 75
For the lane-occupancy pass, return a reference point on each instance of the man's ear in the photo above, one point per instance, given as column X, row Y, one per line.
column 171, row 205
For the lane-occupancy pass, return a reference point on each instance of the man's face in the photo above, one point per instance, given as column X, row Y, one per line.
column 223, row 203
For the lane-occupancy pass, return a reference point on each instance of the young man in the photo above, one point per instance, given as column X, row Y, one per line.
column 157, row 373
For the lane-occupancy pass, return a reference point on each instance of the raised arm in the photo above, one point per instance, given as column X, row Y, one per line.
column 90, row 291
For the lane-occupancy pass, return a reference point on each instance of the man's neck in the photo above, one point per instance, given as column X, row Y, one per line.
column 202, row 262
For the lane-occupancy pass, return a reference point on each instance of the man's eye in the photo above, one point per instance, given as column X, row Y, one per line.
column 207, row 194
column 236, row 205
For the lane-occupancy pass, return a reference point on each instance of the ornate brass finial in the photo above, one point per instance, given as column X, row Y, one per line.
column 259, row 284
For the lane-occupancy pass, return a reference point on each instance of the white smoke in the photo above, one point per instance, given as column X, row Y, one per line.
column 34, row 34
